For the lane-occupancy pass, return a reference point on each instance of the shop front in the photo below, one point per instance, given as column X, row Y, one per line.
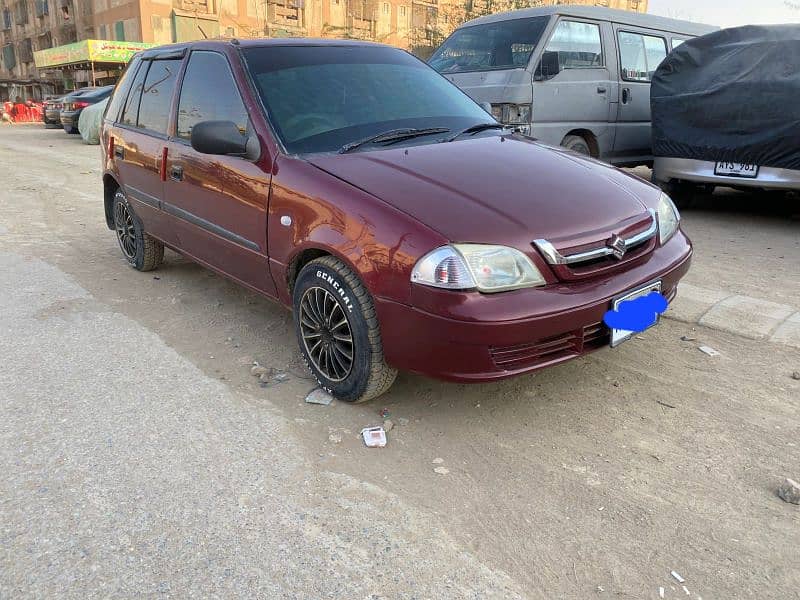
column 90, row 62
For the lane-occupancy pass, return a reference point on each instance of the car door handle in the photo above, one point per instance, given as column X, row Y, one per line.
column 626, row 95
column 176, row 173
column 119, row 152
column 601, row 90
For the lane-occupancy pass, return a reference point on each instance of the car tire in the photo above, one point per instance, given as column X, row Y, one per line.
column 577, row 144
column 334, row 316
column 142, row 251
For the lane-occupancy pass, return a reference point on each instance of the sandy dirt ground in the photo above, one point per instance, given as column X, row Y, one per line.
column 595, row 478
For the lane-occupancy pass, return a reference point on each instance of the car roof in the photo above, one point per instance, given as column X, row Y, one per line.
column 179, row 49
column 599, row 13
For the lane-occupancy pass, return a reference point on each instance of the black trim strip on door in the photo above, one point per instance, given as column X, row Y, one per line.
column 209, row 226
column 142, row 197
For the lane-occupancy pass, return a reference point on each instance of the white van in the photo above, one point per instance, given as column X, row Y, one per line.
column 573, row 76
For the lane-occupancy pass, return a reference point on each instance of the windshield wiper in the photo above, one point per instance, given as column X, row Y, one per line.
column 391, row 136
column 473, row 129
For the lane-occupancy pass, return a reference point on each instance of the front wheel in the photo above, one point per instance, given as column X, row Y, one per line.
column 577, row 144
column 337, row 329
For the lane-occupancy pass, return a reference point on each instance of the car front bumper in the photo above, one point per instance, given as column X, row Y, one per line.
column 701, row 171
column 481, row 345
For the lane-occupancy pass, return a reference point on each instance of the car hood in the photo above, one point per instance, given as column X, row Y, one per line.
column 499, row 189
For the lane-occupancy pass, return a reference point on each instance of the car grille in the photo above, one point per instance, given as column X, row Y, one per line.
column 594, row 259
column 552, row 349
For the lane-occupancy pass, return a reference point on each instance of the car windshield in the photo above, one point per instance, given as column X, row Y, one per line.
column 501, row 45
column 320, row 98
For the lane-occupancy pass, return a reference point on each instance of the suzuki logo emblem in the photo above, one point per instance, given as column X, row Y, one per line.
column 617, row 246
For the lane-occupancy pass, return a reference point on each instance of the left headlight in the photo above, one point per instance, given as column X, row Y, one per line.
column 512, row 114
column 668, row 218
column 487, row 268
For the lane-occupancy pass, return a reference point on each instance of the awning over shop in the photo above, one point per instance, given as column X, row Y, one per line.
column 88, row 52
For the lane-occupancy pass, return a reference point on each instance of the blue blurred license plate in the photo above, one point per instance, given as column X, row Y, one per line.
column 623, row 335
column 735, row 169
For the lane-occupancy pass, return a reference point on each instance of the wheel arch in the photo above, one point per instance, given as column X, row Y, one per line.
column 589, row 137
column 110, row 187
column 300, row 259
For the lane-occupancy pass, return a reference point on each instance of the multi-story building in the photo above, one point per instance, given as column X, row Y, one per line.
column 419, row 25
column 414, row 24
column 164, row 21
column 30, row 25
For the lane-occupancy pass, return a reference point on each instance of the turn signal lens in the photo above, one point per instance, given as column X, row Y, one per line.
column 668, row 218
column 443, row 268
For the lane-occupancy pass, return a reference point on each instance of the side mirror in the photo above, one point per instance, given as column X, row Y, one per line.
column 548, row 66
column 224, row 137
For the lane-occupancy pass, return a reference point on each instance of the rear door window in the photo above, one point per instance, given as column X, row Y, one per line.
column 640, row 55
column 578, row 45
column 159, row 86
column 122, row 89
column 209, row 93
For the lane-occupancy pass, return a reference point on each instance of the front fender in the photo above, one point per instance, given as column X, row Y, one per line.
column 378, row 242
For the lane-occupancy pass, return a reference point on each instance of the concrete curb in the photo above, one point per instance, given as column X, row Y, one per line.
column 752, row 318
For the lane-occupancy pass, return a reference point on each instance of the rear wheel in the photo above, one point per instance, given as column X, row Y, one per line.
column 143, row 252
column 337, row 330
column 577, row 144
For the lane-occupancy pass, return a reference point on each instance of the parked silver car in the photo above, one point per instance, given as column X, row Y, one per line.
column 568, row 75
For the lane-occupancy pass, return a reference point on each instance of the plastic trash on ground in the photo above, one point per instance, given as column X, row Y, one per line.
column 319, row 396
column 374, row 437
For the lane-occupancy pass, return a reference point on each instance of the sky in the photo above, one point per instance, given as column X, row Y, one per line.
column 728, row 13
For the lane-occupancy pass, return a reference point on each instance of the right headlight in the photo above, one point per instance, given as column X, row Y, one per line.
column 484, row 267
column 668, row 218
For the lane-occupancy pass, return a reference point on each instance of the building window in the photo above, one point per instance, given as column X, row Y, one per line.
column 9, row 58
column 230, row 32
column 45, row 41
column 6, row 18
column 403, row 11
column 41, row 8
column 21, row 12
column 26, row 51
column 386, row 9
column 119, row 31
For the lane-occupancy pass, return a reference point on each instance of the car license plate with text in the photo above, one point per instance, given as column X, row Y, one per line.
column 735, row 169
column 623, row 335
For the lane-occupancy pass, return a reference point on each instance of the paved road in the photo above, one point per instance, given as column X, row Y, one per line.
column 141, row 458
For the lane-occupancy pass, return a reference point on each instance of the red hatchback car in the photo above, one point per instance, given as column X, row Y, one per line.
column 403, row 225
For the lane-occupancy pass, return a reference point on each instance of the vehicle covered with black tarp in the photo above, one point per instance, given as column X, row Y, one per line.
column 726, row 110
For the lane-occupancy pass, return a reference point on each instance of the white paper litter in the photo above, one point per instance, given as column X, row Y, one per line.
column 686, row 590
column 677, row 577
column 709, row 350
column 374, row 437
column 661, row 592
